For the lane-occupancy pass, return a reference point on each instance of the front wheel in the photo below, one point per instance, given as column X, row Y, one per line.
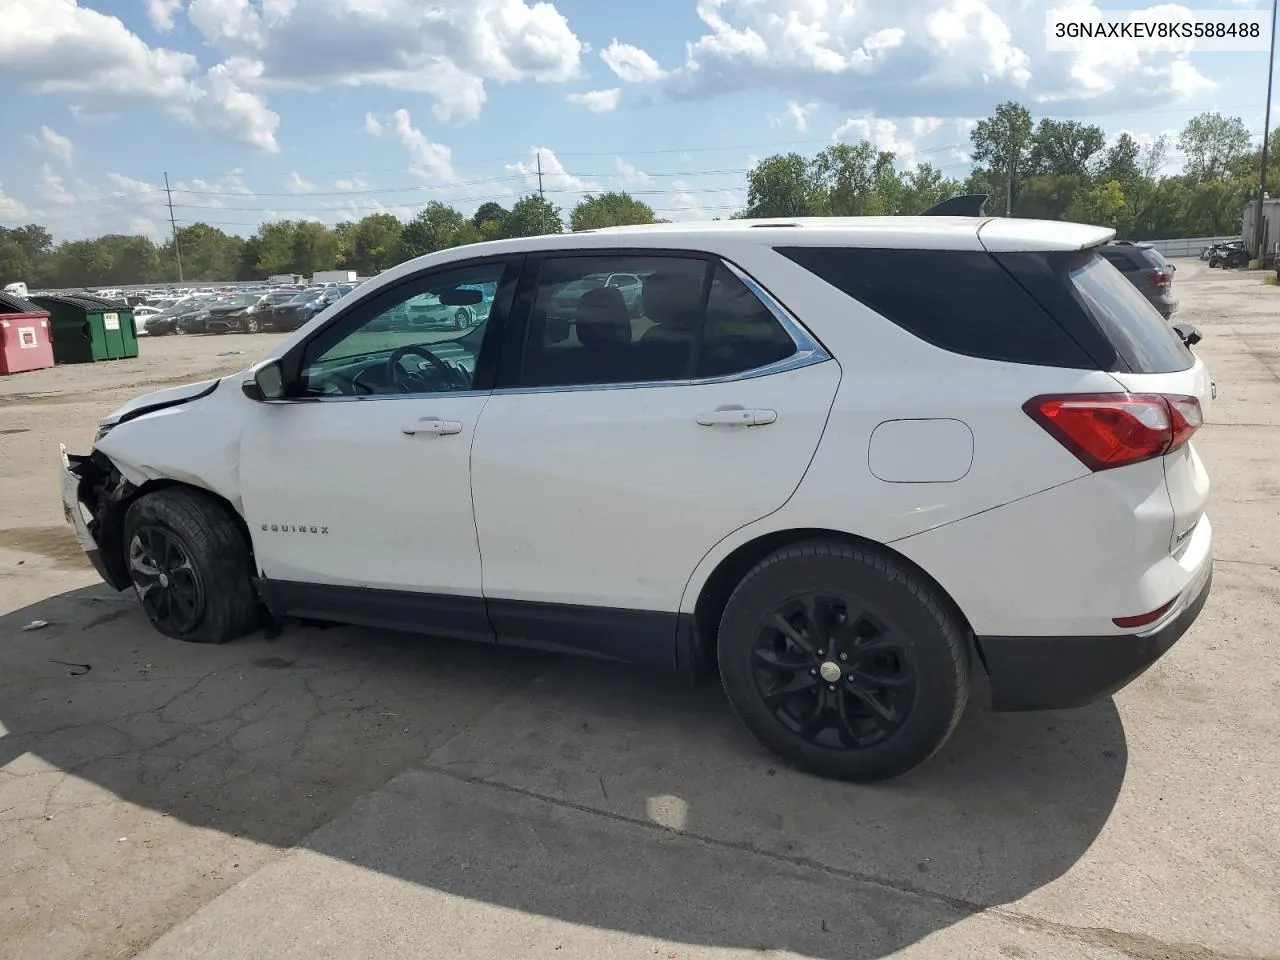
column 251, row 325
column 190, row 566
column 844, row 662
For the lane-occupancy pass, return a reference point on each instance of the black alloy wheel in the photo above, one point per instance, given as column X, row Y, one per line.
column 166, row 579
column 844, row 661
column 832, row 672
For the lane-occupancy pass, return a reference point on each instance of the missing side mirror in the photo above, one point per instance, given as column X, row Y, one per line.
column 267, row 383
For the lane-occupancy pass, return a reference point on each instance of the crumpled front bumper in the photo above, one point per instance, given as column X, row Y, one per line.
column 73, row 509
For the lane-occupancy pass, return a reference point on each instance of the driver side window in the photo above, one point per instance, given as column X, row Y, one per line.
column 421, row 336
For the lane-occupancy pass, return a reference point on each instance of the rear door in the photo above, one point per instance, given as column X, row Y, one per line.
column 626, row 443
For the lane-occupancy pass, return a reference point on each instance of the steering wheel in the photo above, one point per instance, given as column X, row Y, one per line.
column 413, row 381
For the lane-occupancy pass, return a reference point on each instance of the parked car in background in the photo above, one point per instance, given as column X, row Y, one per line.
column 141, row 314
column 1147, row 270
column 1233, row 253
column 243, row 312
column 300, row 308
column 166, row 321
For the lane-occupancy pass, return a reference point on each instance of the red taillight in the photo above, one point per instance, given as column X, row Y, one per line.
column 1106, row 430
column 1161, row 279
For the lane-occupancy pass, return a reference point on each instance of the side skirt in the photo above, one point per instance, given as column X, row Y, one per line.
column 643, row 637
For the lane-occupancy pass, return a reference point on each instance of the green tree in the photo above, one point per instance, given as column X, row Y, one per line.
column 1103, row 205
column 14, row 263
column 437, row 226
column 315, row 248
column 923, row 186
column 208, row 254
column 1212, row 144
column 275, row 247
column 1064, row 148
column 1003, row 142
column 373, row 244
column 1047, row 196
column 533, row 216
column 487, row 213
column 780, row 186
column 609, row 210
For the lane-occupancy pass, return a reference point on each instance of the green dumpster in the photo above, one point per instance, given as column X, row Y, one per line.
column 117, row 325
column 85, row 329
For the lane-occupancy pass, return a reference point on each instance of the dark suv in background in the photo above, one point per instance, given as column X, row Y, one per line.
column 1147, row 270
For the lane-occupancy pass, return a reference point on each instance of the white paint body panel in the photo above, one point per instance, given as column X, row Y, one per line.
column 611, row 497
column 397, row 507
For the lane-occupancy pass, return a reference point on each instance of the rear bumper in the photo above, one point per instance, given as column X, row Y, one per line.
column 1053, row 673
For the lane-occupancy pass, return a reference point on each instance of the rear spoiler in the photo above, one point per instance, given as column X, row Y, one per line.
column 964, row 205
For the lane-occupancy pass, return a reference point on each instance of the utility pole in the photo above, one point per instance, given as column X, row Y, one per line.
column 1008, row 187
column 1259, row 225
column 177, row 251
column 542, row 208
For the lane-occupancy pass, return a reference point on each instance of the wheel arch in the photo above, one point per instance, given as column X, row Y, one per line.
column 699, row 622
column 111, row 503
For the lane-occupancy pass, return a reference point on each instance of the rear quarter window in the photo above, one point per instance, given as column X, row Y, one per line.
column 962, row 301
column 1139, row 334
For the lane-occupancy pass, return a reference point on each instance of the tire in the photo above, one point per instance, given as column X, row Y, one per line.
column 190, row 566
column 251, row 325
column 907, row 652
column 178, row 329
column 461, row 318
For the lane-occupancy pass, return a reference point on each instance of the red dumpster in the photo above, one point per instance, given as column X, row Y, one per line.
column 25, row 343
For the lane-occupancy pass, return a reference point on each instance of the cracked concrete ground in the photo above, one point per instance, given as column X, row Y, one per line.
column 349, row 793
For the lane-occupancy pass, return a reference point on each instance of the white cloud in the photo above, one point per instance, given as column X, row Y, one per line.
column 797, row 114
column 554, row 175
column 54, row 142
column 935, row 58
column 113, row 67
column 11, row 208
column 431, row 161
column 372, row 126
column 631, row 175
column 162, row 12
column 448, row 49
column 597, row 101
column 351, row 183
column 296, row 183
column 51, row 188
column 631, row 63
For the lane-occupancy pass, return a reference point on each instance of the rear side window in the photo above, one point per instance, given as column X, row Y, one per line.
column 1140, row 335
column 1120, row 260
column 962, row 301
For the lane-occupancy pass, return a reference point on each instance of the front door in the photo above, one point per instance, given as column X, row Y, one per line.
column 361, row 479
column 635, row 439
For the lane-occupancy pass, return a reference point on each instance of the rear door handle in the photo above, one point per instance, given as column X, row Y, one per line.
column 433, row 426
column 737, row 417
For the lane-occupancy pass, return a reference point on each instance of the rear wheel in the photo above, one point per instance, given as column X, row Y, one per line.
column 843, row 662
column 190, row 566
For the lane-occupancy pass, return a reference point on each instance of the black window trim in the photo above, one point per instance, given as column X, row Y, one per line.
column 809, row 350
column 376, row 302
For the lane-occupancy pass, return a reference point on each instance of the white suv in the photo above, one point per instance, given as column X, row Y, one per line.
column 841, row 461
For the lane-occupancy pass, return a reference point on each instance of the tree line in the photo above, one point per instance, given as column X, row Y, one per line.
column 1050, row 169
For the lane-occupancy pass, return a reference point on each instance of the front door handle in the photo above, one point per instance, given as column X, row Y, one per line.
column 737, row 417
column 433, row 426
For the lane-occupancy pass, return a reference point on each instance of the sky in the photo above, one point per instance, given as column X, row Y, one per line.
column 334, row 109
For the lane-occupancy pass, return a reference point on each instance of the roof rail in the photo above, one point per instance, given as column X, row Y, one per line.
column 964, row 205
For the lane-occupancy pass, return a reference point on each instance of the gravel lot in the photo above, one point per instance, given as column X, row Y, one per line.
column 348, row 793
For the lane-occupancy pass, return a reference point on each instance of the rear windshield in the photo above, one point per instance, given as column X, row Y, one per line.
column 1137, row 331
